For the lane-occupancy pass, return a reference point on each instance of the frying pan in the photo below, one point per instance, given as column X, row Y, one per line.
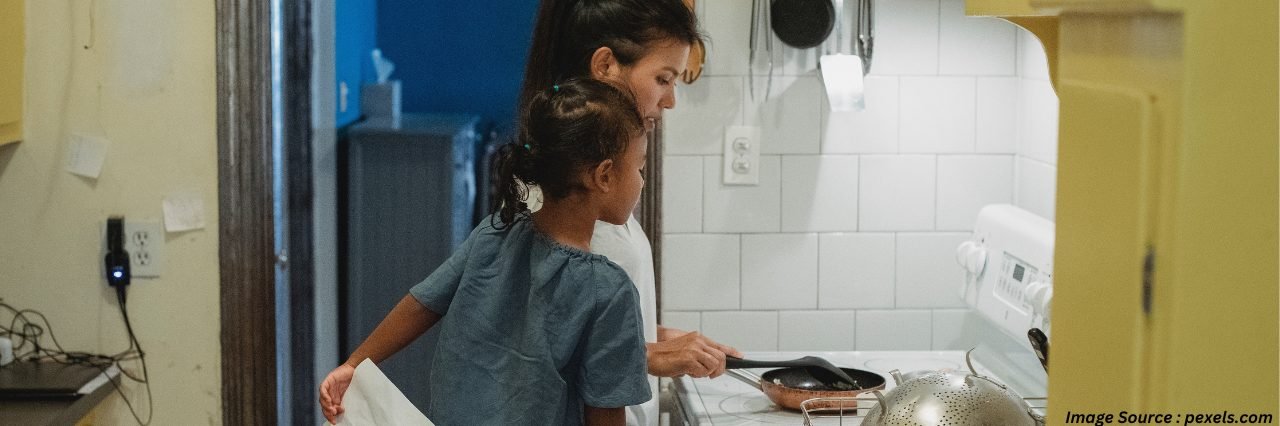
column 802, row 23
column 788, row 387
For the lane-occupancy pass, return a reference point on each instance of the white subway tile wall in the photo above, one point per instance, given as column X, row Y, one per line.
column 896, row 330
column 816, row 330
column 1036, row 186
column 856, row 271
column 728, row 47
column 687, row 321
column 897, row 192
column 744, row 330
column 1032, row 62
column 780, row 271
column 789, row 119
column 928, row 276
column 906, row 40
column 700, row 272
column 702, row 111
column 819, row 193
column 873, row 130
column 974, row 45
column 848, row 242
column 938, row 114
column 996, row 115
column 1038, row 121
column 968, row 182
column 741, row 208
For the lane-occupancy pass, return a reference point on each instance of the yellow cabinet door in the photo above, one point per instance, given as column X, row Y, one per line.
column 11, row 60
column 1105, row 202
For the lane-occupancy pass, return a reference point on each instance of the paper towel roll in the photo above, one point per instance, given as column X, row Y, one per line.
column 842, row 76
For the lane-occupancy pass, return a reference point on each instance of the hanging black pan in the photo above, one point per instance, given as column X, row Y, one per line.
column 802, row 23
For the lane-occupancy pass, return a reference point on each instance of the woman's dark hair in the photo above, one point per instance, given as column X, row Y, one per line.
column 570, row 127
column 568, row 32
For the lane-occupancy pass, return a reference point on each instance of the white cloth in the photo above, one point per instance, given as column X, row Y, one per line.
column 627, row 246
column 373, row 400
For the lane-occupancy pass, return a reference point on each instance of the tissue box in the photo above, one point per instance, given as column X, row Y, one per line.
column 381, row 103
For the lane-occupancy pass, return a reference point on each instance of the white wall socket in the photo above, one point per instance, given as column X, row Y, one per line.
column 741, row 155
column 144, row 240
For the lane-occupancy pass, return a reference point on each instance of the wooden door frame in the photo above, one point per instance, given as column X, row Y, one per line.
column 246, row 226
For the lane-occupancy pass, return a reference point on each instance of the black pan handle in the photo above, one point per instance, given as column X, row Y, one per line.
column 1040, row 344
column 734, row 363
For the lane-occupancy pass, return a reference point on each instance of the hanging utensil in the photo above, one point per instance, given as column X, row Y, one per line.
column 802, row 23
column 751, row 46
column 759, row 12
column 768, row 49
column 697, row 55
column 864, row 34
column 842, row 74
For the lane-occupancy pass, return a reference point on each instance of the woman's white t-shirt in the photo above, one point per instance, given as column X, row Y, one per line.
column 627, row 246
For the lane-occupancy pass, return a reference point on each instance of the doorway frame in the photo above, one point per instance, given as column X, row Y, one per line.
column 247, row 247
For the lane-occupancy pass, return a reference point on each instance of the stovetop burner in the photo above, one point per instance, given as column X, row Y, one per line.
column 751, row 406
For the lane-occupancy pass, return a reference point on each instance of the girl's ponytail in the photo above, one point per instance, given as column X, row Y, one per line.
column 510, row 188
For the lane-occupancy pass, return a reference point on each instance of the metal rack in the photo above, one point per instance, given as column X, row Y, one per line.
column 838, row 409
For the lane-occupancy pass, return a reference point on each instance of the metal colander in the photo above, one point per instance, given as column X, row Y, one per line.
column 951, row 398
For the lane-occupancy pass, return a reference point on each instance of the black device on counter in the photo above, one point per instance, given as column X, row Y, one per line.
column 44, row 380
column 117, row 259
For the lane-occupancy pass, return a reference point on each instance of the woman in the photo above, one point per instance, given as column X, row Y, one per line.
column 642, row 45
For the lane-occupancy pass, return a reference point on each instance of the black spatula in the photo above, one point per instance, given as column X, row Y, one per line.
column 819, row 367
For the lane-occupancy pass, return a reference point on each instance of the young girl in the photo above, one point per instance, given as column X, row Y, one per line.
column 534, row 329
column 642, row 45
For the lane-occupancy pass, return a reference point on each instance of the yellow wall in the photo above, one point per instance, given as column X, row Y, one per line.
column 11, row 41
column 147, row 84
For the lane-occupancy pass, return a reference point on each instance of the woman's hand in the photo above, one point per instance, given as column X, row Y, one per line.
column 689, row 353
column 332, row 389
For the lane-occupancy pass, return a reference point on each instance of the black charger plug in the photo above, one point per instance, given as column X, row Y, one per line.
column 117, row 259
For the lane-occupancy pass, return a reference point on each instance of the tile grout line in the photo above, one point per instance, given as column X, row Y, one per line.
column 818, row 274
column 936, row 166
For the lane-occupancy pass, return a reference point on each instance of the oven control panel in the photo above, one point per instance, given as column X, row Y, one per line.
column 1009, row 268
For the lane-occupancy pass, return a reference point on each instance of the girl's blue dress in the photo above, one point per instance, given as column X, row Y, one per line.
column 531, row 331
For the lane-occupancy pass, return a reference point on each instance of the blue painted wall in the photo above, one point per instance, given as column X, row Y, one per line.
column 355, row 28
column 458, row 56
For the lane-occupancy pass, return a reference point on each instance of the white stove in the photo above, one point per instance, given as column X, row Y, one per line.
column 1008, row 264
column 726, row 401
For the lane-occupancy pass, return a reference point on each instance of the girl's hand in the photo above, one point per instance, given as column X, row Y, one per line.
column 332, row 389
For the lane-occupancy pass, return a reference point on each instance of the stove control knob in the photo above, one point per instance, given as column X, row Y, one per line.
column 1038, row 294
column 962, row 253
column 977, row 260
column 972, row 257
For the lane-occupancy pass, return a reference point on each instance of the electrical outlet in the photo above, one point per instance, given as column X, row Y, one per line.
column 742, row 155
column 144, row 240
